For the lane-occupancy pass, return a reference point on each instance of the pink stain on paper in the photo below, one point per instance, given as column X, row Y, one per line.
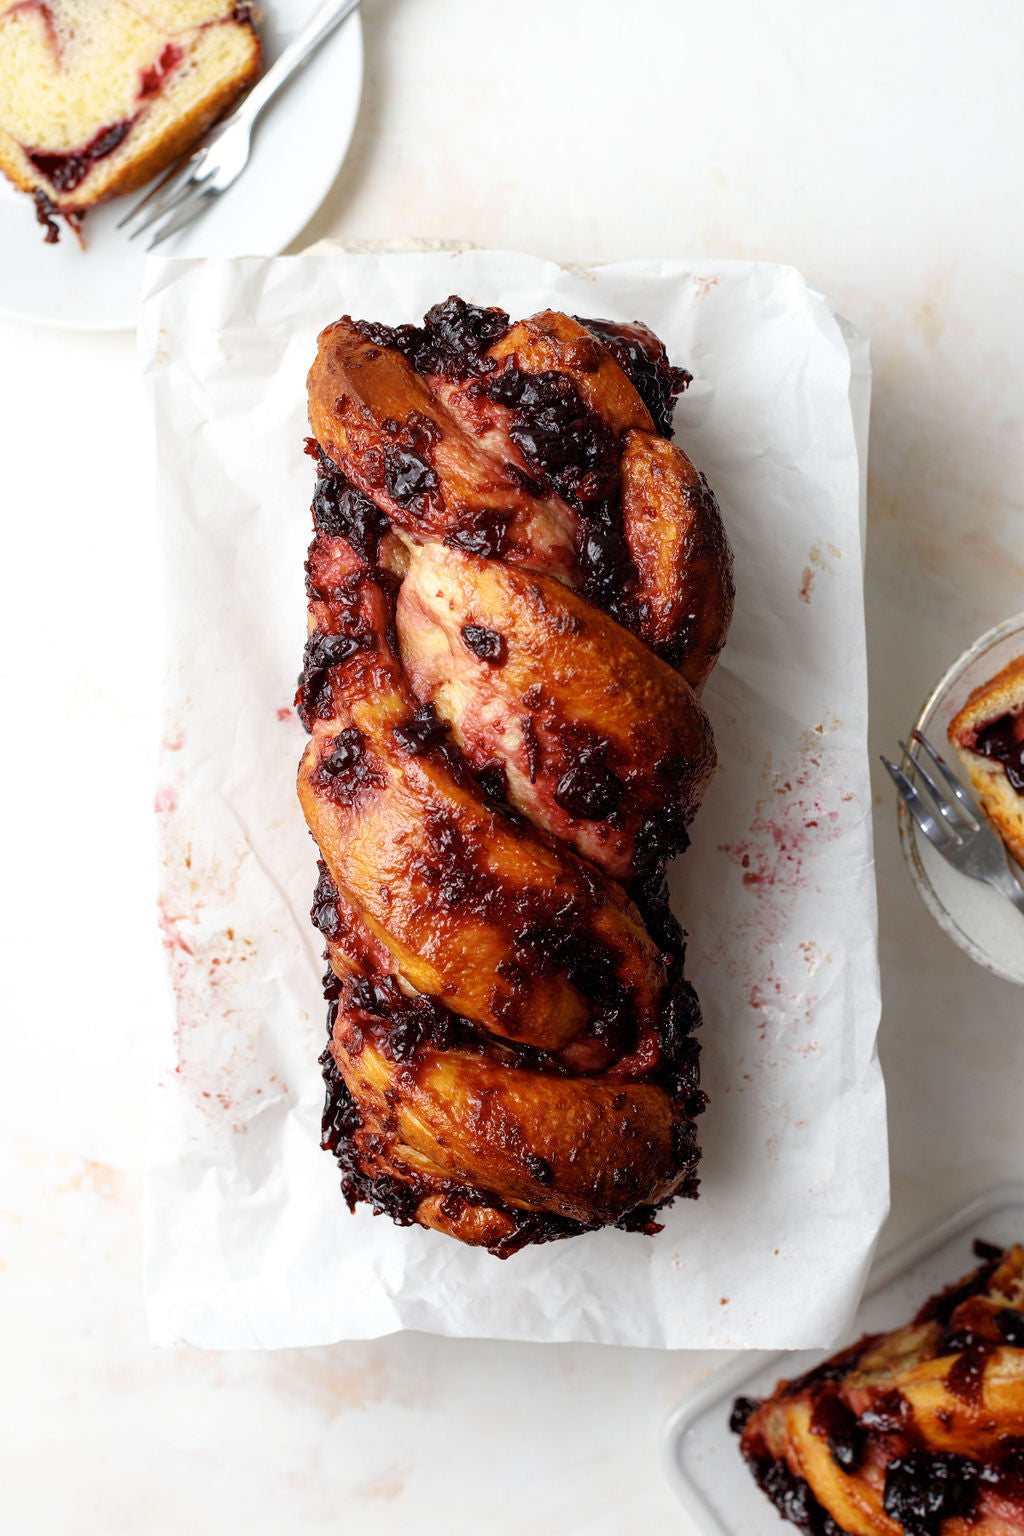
column 792, row 823
column 204, row 973
column 215, row 1061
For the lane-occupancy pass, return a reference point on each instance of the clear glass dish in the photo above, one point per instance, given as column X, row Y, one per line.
column 975, row 916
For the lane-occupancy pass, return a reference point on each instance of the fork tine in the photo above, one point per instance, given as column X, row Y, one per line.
column 163, row 208
column 185, row 214
column 967, row 805
column 916, row 806
column 169, row 183
column 949, row 813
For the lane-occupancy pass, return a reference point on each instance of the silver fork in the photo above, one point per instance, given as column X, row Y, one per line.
column 222, row 154
column 961, row 834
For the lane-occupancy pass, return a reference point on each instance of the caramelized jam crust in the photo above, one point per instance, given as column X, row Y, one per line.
column 505, row 748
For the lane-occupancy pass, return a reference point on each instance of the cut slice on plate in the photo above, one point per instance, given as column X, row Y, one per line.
column 988, row 734
column 95, row 99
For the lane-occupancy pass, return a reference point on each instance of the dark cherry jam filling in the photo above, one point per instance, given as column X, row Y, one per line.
column 314, row 698
column 589, row 789
column 483, row 532
column 153, row 80
column 1003, row 741
column 47, row 214
column 940, row 1308
column 423, row 731
column 836, row 1422
column 64, row 171
column 450, row 343
column 794, row 1500
column 926, row 1488
column 486, row 644
column 556, row 433
column 568, row 447
column 1010, row 1323
column 350, row 770
column 343, row 512
column 643, row 359
column 743, row 1410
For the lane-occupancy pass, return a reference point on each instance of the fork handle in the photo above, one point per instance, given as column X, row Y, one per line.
column 299, row 51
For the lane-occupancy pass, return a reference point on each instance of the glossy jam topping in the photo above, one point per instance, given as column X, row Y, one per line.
column 486, row 644
column 1010, row 1324
column 836, row 1422
column 423, row 731
column 1003, row 741
column 351, row 770
column 642, row 357
column 924, row 1489
column 570, row 448
column 343, row 512
column 47, row 214
column 484, row 532
column 589, row 789
column 556, row 433
column 450, row 343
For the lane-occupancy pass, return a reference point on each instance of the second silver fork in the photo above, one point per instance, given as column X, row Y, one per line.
column 952, row 821
column 222, row 154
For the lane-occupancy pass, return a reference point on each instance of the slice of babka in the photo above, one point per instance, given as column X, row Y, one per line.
column 918, row 1432
column 97, row 96
column 988, row 735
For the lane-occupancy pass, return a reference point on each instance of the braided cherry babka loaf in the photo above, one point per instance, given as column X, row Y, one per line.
column 919, row 1432
column 517, row 587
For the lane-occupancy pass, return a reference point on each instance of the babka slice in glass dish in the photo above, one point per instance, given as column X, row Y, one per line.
column 988, row 734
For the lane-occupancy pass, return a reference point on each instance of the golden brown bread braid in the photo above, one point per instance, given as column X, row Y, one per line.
column 516, row 584
column 918, row 1432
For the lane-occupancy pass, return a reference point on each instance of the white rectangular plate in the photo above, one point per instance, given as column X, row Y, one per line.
column 701, row 1453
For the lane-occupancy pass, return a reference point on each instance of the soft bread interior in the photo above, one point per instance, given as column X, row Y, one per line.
column 72, row 69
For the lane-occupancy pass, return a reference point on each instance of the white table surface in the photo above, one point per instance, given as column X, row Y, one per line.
column 877, row 147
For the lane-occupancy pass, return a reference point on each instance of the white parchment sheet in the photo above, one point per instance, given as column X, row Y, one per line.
column 249, row 1240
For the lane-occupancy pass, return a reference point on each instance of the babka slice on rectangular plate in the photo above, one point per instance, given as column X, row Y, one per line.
column 918, row 1432
column 97, row 96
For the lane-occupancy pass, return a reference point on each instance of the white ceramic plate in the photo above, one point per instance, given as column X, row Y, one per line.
column 298, row 148
column 981, row 921
column 701, row 1454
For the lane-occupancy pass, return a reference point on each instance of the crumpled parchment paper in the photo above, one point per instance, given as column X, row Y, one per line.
column 249, row 1241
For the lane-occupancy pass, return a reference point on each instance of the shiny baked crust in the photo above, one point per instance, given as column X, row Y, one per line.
column 509, row 611
column 1002, row 696
column 919, row 1431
